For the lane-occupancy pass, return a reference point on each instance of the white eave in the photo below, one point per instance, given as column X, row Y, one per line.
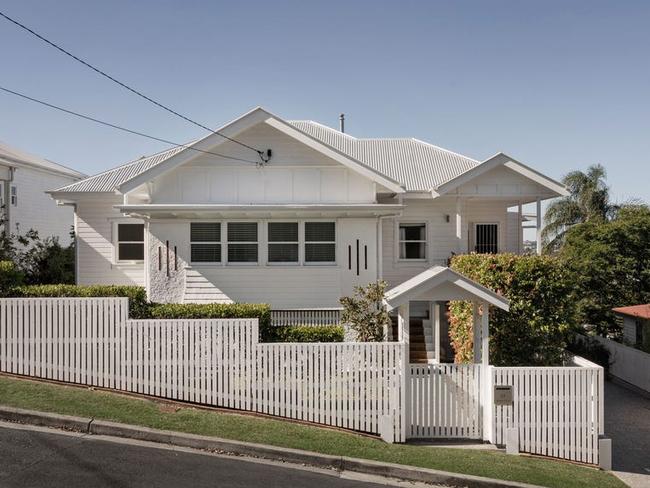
column 258, row 210
column 442, row 283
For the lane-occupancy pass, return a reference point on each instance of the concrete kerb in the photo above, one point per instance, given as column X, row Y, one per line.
column 293, row 456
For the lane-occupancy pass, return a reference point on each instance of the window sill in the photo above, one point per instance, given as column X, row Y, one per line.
column 127, row 265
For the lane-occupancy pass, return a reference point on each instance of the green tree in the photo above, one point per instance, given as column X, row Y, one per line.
column 365, row 312
column 611, row 264
column 589, row 200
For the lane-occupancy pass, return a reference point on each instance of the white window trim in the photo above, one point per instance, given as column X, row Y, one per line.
column 335, row 242
column 268, row 243
column 398, row 241
column 13, row 196
column 258, row 242
column 474, row 227
column 207, row 263
column 116, row 242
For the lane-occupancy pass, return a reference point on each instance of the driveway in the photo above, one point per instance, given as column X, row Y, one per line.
column 627, row 423
column 38, row 457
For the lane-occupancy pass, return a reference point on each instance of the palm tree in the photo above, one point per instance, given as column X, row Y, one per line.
column 588, row 200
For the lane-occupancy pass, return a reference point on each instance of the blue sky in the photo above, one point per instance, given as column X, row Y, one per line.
column 557, row 85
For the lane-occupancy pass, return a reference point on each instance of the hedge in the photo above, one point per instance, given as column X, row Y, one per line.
column 306, row 333
column 138, row 305
column 10, row 277
column 542, row 316
column 212, row 311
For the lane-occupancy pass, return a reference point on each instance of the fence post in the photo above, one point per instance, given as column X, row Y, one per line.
column 487, row 403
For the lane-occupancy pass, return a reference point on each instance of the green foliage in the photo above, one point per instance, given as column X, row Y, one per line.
column 542, row 313
column 588, row 201
column 138, row 305
column 306, row 333
column 365, row 312
column 10, row 277
column 41, row 261
column 214, row 311
column 611, row 264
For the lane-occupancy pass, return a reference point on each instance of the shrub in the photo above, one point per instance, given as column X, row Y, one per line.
column 214, row 311
column 10, row 277
column 365, row 312
column 138, row 305
column 306, row 333
column 589, row 348
column 542, row 314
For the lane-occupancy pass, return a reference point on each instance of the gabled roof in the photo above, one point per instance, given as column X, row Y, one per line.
column 398, row 164
column 417, row 165
column 640, row 311
column 453, row 286
column 501, row 159
column 14, row 156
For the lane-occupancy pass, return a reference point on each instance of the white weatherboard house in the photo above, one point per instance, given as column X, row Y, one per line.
column 326, row 212
column 24, row 178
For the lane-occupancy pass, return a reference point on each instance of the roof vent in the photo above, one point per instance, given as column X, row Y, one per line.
column 342, row 122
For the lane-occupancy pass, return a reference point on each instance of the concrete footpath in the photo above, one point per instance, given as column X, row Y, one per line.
column 340, row 465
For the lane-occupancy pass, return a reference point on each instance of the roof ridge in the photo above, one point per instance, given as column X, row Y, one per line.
column 443, row 149
column 331, row 129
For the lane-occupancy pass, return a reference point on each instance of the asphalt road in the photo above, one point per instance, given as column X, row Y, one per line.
column 35, row 457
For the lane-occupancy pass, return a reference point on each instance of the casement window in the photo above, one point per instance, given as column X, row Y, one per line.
column 412, row 241
column 320, row 242
column 130, row 242
column 486, row 238
column 14, row 196
column 242, row 242
column 205, row 242
column 283, row 242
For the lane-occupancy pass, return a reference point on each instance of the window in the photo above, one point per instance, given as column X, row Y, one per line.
column 283, row 242
column 242, row 242
column 130, row 242
column 486, row 238
column 320, row 242
column 205, row 242
column 412, row 241
column 14, row 196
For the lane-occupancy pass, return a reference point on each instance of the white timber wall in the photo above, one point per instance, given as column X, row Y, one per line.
column 296, row 174
column 281, row 286
column 628, row 363
column 441, row 235
column 219, row 363
column 95, row 225
column 36, row 210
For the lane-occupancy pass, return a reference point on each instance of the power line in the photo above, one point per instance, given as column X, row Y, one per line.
column 124, row 129
column 124, row 85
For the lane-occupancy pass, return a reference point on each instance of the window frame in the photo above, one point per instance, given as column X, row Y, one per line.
column 228, row 242
column 117, row 242
column 13, row 195
column 298, row 242
column 475, row 237
column 220, row 242
column 305, row 242
column 399, row 241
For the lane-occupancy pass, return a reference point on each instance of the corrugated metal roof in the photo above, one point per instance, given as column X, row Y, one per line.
column 415, row 164
column 12, row 154
column 109, row 180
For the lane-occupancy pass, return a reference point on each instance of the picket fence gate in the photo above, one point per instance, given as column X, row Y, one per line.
column 216, row 362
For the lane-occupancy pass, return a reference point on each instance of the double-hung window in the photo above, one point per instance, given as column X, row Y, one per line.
column 14, row 196
column 283, row 242
column 130, row 242
column 242, row 242
column 412, row 241
column 205, row 242
column 320, row 242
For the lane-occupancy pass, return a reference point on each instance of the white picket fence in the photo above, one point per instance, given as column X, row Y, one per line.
column 558, row 412
column 220, row 363
column 445, row 401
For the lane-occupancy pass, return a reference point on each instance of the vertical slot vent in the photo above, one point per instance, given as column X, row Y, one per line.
column 167, row 257
column 357, row 257
column 175, row 259
column 365, row 257
column 159, row 258
column 350, row 257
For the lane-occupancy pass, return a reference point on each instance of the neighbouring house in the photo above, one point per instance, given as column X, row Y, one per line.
column 636, row 325
column 318, row 212
column 24, row 179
